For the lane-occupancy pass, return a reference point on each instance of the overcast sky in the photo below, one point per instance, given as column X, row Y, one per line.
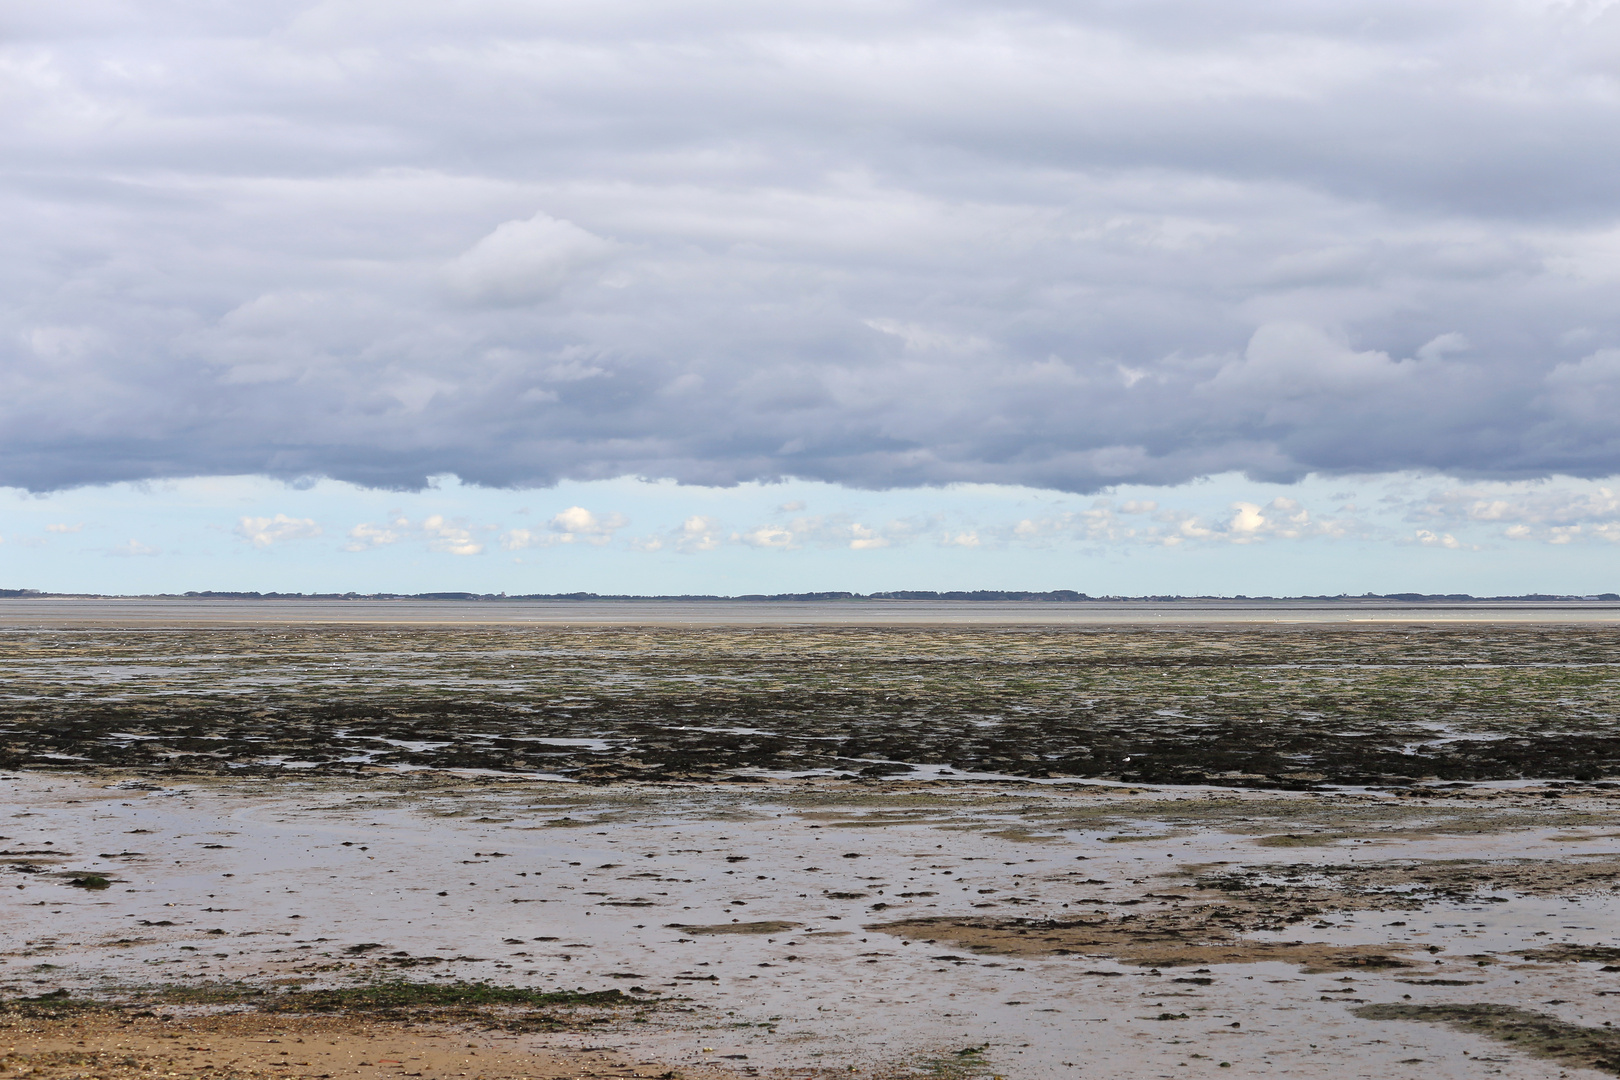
column 908, row 254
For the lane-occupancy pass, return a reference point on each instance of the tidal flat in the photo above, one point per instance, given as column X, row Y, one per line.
column 1265, row 707
column 1132, row 851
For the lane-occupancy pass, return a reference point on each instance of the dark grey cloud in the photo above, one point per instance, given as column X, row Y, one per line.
column 1067, row 245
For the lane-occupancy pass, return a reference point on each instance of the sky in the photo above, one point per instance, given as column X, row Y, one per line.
column 517, row 295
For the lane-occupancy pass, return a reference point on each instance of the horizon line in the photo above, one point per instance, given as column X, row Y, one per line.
column 972, row 596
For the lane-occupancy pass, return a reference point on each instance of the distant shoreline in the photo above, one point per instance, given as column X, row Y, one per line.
column 1057, row 596
column 39, row 612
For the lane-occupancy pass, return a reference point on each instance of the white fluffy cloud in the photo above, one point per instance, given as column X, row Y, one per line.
column 1429, row 538
column 575, row 525
column 439, row 533
column 767, row 536
column 264, row 531
column 697, row 533
column 365, row 536
column 834, row 530
column 452, row 537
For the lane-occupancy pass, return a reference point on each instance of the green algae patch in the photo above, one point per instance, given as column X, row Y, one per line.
column 1537, row 1034
column 408, row 995
column 390, row 996
column 963, row 1064
column 55, row 1005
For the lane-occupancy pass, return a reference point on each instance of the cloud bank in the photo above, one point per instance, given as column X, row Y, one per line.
column 882, row 244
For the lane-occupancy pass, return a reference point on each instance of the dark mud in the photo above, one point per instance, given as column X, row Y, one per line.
column 1289, row 708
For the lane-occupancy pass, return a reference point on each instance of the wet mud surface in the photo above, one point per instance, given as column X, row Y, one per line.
column 1292, row 708
column 805, row 929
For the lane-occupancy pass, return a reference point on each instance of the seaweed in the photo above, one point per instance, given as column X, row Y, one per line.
column 400, row 994
column 510, row 1007
column 1294, row 708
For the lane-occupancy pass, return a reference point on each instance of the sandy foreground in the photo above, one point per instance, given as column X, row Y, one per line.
column 806, row 928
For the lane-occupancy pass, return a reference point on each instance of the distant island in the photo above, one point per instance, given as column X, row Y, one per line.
column 1052, row 596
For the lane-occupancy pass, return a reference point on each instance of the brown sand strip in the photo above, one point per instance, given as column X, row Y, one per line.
column 111, row 1046
column 1145, row 945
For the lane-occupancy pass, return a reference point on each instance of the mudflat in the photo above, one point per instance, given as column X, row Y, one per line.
column 1015, row 851
column 1276, row 706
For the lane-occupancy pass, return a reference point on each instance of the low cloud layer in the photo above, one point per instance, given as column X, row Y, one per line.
column 1393, row 511
column 882, row 245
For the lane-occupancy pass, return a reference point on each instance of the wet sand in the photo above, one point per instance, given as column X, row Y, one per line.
column 933, row 929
